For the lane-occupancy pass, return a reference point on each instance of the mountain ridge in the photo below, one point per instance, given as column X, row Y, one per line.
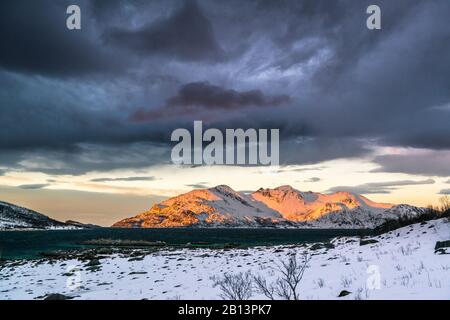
column 283, row 206
column 14, row 217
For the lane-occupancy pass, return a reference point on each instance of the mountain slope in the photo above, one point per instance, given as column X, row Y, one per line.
column 305, row 206
column 282, row 206
column 13, row 217
column 219, row 206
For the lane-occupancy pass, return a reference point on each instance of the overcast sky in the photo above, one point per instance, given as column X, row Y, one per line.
column 92, row 110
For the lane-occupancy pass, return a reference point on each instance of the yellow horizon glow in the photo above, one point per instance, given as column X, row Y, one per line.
column 78, row 197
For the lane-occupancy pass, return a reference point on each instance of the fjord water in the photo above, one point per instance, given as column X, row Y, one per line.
column 29, row 244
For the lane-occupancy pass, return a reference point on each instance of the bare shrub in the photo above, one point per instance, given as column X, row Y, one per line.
column 445, row 203
column 406, row 251
column 362, row 293
column 287, row 285
column 320, row 282
column 421, row 267
column 358, row 295
column 346, row 282
column 235, row 286
column 406, row 279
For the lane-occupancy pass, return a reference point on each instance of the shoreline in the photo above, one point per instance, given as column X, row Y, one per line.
column 28, row 245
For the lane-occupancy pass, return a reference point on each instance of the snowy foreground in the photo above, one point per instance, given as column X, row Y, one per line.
column 401, row 265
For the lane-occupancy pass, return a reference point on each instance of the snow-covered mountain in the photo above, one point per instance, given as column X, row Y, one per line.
column 13, row 217
column 218, row 206
column 280, row 207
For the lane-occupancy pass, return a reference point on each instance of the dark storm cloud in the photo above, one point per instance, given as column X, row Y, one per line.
column 33, row 186
column 314, row 150
column 445, row 192
column 432, row 163
column 429, row 129
column 349, row 88
column 186, row 35
column 124, row 179
column 35, row 40
column 47, row 114
column 86, row 158
column 380, row 187
column 364, row 85
column 103, row 10
column 392, row 90
column 203, row 95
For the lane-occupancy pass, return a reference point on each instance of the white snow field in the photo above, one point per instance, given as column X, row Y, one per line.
column 401, row 265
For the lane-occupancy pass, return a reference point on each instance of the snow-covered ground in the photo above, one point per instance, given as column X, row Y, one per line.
column 13, row 226
column 401, row 265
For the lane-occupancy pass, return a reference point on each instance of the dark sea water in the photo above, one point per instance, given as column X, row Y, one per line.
column 29, row 244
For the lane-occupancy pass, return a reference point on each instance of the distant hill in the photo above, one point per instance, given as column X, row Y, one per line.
column 13, row 217
column 81, row 225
